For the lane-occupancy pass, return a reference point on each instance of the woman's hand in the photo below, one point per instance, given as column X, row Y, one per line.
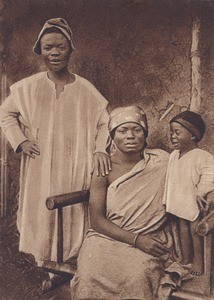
column 102, row 164
column 149, row 245
column 30, row 148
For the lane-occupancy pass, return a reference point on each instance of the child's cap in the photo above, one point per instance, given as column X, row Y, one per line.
column 191, row 121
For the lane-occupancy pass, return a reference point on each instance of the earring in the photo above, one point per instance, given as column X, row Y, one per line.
column 193, row 138
column 113, row 147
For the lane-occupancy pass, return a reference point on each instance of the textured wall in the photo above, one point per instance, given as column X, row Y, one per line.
column 207, row 54
column 133, row 51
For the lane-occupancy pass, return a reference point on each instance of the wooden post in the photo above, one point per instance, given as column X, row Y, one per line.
column 60, row 236
column 3, row 152
column 195, row 104
column 4, row 168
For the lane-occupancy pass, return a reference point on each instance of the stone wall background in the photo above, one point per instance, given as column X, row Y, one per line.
column 133, row 51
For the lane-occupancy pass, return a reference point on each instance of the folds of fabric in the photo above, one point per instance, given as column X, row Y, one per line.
column 188, row 177
column 108, row 269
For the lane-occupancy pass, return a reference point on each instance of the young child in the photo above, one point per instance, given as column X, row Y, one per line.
column 189, row 180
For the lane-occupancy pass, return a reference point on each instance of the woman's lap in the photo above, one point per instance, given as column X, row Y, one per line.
column 109, row 269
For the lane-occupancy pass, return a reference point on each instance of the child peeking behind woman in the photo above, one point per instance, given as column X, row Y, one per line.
column 189, row 180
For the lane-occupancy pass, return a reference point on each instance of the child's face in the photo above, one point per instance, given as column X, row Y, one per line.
column 180, row 137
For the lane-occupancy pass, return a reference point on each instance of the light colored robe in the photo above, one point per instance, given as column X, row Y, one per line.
column 66, row 130
column 187, row 178
column 109, row 269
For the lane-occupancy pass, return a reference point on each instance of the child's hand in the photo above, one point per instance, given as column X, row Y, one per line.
column 210, row 202
column 102, row 164
column 202, row 203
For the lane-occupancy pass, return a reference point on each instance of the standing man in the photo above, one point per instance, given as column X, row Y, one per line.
column 58, row 120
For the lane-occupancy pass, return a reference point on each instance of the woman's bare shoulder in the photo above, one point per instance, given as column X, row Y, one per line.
column 118, row 170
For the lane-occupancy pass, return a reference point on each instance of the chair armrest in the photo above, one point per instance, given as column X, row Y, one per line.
column 62, row 200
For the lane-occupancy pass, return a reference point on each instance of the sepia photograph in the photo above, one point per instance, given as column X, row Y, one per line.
column 106, row 149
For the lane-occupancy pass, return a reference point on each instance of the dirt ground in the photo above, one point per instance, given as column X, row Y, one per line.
column 20, row 278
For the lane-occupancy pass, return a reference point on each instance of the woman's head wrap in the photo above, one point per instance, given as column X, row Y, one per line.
column 61, row 25
column 122, row 115
column 192, row 122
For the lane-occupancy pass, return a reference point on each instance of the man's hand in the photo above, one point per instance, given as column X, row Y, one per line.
column 30, row 148
column 102, row 164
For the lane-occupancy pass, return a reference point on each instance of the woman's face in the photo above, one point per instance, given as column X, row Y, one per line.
column 129, row 138
column 55, row 50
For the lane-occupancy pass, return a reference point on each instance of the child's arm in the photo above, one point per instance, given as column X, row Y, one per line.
column 206, row 204
column 207, row 223
column 202, row 203
column 206, row 183
column 210, row 202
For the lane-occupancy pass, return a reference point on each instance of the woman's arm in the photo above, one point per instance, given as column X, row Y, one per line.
column 101, row 224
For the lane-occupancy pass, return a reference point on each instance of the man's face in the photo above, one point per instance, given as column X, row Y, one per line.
column 55, row 50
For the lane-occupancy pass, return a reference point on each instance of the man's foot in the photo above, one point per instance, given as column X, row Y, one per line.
column 54, row 282
column 46, row 285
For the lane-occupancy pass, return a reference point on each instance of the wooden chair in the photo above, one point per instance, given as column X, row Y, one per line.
column 63, row 270
column 198, row 288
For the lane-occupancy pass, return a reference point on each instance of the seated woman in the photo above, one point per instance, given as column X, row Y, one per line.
column 124, row 252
